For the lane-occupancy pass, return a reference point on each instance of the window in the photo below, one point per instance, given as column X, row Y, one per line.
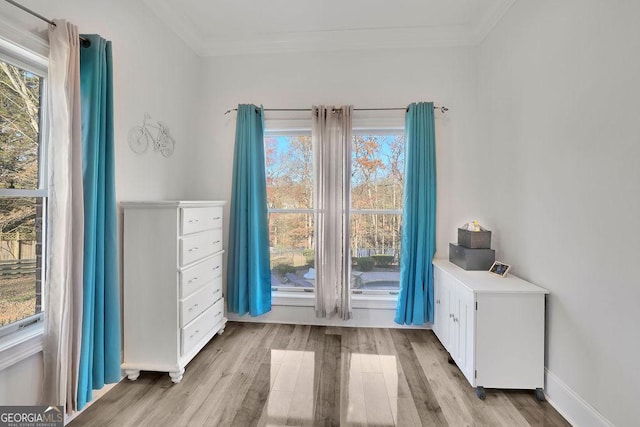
column 22, row 194
column 377, row 183
column 289, row 171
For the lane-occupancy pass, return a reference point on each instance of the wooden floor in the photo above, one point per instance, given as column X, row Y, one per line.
column 274, row 375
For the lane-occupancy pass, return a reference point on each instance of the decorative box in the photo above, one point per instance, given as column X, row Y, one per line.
column 474, row 239
column 471, row 259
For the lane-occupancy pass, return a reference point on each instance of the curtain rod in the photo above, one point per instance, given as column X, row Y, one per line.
column 443, row 109
column 83, row 42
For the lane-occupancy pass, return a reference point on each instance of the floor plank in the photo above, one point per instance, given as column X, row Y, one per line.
column 274, row 375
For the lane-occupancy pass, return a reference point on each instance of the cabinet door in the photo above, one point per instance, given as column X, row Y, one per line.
column 441, row 315
column 465, row 328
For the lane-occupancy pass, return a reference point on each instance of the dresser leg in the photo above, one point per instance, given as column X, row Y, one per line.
column 132, row 374
column 221, row 331
column 176, row 376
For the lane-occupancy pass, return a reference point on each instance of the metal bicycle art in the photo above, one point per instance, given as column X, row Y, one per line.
column 157, row 135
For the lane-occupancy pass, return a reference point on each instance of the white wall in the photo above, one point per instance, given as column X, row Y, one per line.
column 558, row 97
column 154, row 72
column 364, row 79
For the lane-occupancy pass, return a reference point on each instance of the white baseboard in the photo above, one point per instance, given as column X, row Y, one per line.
column 577, row 411
column 361, row 318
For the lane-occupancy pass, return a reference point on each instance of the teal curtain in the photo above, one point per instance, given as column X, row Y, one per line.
column 248, row 271
column 100, row 346
column 415, row 303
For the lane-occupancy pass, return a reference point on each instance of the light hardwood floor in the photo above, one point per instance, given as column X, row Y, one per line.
column 274, row 375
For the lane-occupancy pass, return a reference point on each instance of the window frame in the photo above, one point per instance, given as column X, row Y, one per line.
column 24, row 338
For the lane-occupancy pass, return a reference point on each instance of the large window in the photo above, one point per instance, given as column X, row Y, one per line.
column 377, row 182
column 22, row 196
column 376, row 214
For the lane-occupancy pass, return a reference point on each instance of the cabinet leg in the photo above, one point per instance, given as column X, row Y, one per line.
column 221, row 331
column 176, row 376
column 132, row 374
column 481, row 393
column 539, row 394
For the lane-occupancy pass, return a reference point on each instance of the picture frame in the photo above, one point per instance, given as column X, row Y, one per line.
column 499, row 269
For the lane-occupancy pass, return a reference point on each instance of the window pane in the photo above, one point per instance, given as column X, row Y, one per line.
column 375, row 251
column 377, row 171
column 292, row 253
column 289, row 172
column 19, row 125
column 20, row 258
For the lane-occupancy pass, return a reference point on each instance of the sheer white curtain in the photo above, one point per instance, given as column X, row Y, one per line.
column 331, row 137
column 65, row 224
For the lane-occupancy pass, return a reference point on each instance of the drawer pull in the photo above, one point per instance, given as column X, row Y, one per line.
column 218, row 314
column 216, row 267
column 216, row 242
column 194, row 334
column 194, row 220
column 217, row 218
column 216, row 291
column 193, row 306
column 450, row 315
column 193, row 249
column 192, row 280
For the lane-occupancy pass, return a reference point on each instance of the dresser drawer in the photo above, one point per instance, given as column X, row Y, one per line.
column 194, row 220
column 195, row 304
column 193, row 333
column 198, row 246
column 193, row 278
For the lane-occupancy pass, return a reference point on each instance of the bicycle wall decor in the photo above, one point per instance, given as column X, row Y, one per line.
column 151, row 133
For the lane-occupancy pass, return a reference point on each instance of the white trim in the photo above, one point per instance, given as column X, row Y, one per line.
column 376, row 211
column 492, row 19
column 290, row 211
column 294, row 315
column 292, row 298
column 288, row 126
column 21, row 345
column 570, row 405
column 368, row 301
column 14, row 192
column 26, row 46
column 233, row 43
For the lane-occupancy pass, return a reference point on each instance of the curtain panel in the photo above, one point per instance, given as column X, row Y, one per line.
column 415, row 302
column 65, row 218
column 248, row 262
column 100, row 355
column 331, row 139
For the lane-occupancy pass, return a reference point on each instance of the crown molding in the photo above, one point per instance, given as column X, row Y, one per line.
column 177, row 21
column 483, row 29
column 344, row 40
column 34, row 42
column 324, row 41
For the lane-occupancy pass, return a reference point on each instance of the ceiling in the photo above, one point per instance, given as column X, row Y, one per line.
column 228, row 27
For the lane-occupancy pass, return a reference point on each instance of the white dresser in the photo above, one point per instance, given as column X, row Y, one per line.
column 172, row 292
column 492, row 327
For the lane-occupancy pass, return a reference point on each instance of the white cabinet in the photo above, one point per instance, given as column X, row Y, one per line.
column 172, row 292
column 492, row 327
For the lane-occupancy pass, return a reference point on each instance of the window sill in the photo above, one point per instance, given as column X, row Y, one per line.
column 297, row 299
column 384, row 302
column 307, row 299
column 20, row 345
